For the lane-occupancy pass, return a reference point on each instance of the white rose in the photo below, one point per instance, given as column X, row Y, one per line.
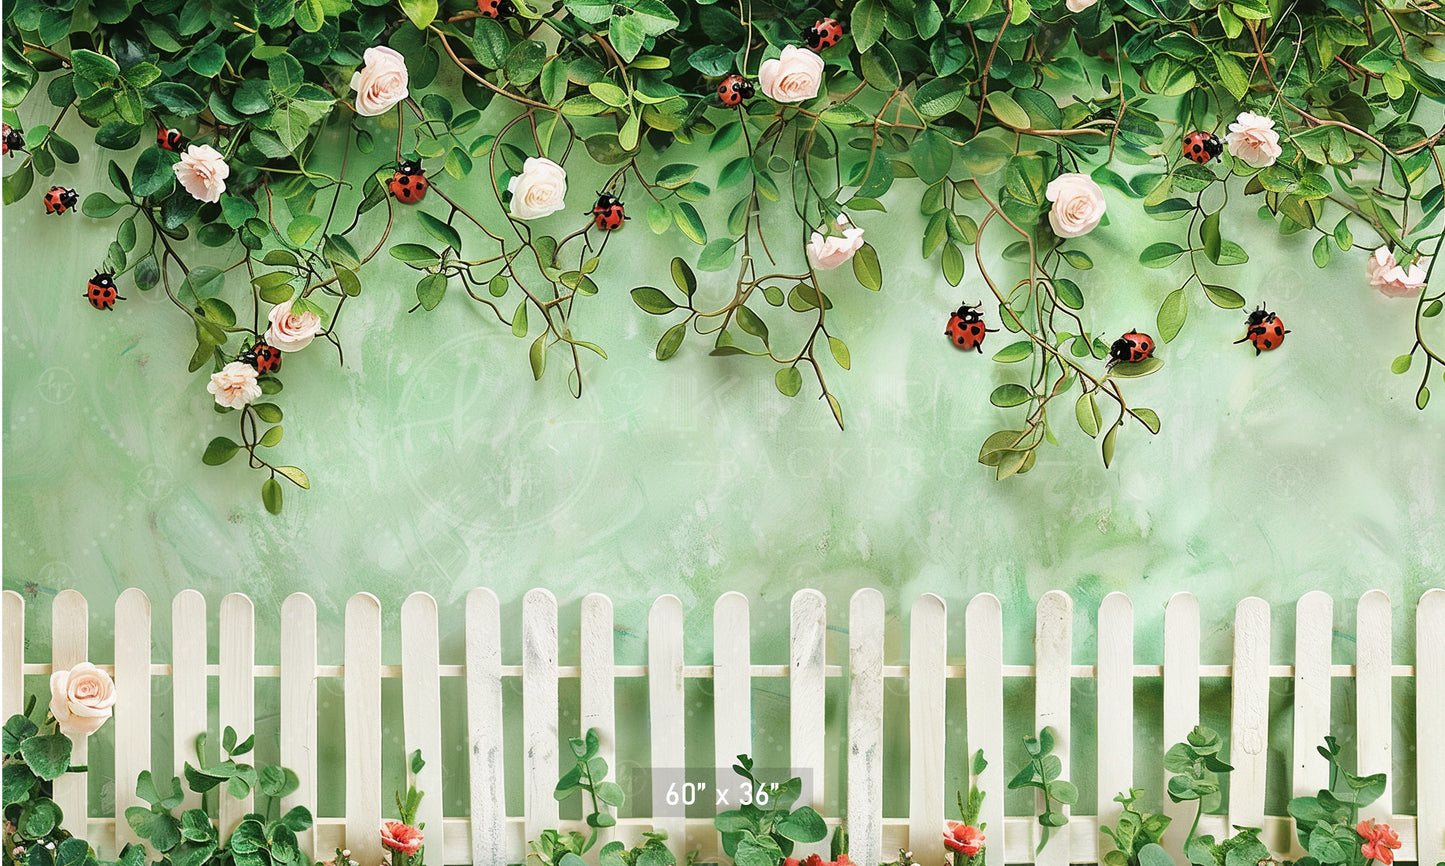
column 793, row 77
column 381, row 83
column 290, row 332
column 1252, row 139
column 829, row 252
column 1392, row 280
column 1078, row 204
column 81, row 698
column 538, row 191
column 1079, row 5
column 203, row 172
column 235, row 385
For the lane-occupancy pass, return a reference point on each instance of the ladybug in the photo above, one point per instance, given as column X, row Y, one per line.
column 495, row 8
column 824, row 34
column 1264, row 329
column 266, row 359
column 11, row 139
column 408, row 184
column 966, row 328
column 59, row 199
column 1132, row 347
column 100, row 291
column 1202, row 147
column 608, row 214
column 168, row 139
column 734, row 89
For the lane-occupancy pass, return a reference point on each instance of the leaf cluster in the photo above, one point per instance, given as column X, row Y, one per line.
column 1042, row 771
column 1325, row 823
column 763, row 832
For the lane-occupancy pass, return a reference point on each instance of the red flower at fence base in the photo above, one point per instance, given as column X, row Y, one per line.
column 1380, row 841
column 401, row 837
column 815, row 860
column 964, row 838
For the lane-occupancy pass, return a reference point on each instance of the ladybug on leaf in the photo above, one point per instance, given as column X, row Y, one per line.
column 608, row 213
column 1131, row 348
column 1201, row 147
column 265, row 358
column 409, row 183
column 734, row 89
column 824, row 33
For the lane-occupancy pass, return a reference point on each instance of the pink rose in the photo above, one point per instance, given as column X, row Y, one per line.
column 203, row 172
column 829, row 252
column 1392, row 280
column 794, row 77
column 290, row 332
column 401, row 837
column 1252, row 139
column 964, row 838
column 381, row 83
column 1078, row 204
column 81, row 698
column 235, row 385
column 1079, row 5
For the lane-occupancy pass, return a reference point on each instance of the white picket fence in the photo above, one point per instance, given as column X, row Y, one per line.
column 490, row 836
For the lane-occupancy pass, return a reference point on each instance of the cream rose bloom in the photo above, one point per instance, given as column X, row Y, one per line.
column 203, row 172
column 1392, row 280
column 290, row 332
column 1252, row 139
column 831, row 251
column 81, row 698
column 235, row 385
column 1079, row 5
column 1078, row 204
column 794, row 77
column 538, row 191
column 381, row 83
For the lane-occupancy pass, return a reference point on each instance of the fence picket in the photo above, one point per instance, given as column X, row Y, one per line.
column 1373, row 702
column 1116, row 707
column 70, row 645
column 298, row 708
column 732, row 685
column 238, row 690
column 865, row 727
column 983, row 692
column 484, row 728
column 1053, row 648
column 1249, row 728
column 363, row 709
column 1314, row 621
column 190, row 704
column 927, row 716
column 808, row 692
column 539, row 710
column 599, row 687
column 12, row 654
column 133, row 715
column 1181, row 698
column 421, row 694
column 666, row 713
column 1430, row 727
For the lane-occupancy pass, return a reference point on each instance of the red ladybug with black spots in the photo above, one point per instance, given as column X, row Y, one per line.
column 966, row 329
column 11, row 140
column 495, row 8
column 265, row 358
column 1264, row 330
column 1202, row 147
column 734, row 89
column 409, row 183
column 1132, row 347
column 59, row 199
column 101, row 292
column 824, row 33
column 168, row 139
column 608, row 213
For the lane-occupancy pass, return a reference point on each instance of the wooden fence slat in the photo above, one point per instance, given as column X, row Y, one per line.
column 1314, row 624
column 539, row 710
column 732, row 685
column 1053, row 649
column 238, row 690
column 808, row 632
column 12, row 654
column 132, row 715
column 298, row 708
column 865, row 727
column 599, row 686
column 362, row 683
column 484, row 728
column 927, row 717
column 1115, row 707
column 1249, row 729
column 1373, row 697
column 983, row 691
column 190, row 702
column 70, row 645
column 1181, row 699
column 666, row 714
column 421, row 720
column 1430, row 726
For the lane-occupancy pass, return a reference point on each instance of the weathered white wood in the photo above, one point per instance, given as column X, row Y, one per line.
column 1430, row 726
column 1053, row 649
column 598, row 686
column 539, row 710
column 1314, row 624
column 298, row 708
column 70, row 645
column 1115, row 707
column 484, row 728
column 190, row 704
column 666, row 715
column 12, row 654
column 1181, row 699
column 1373, row 697
column 238, row 690
column 421, row 694
column 732, row 686
column 362, row 682
column 927, row 715
column 807, row 697
column 1249, row 730
column 865, row 727
column 133, row 714
column 983, row 692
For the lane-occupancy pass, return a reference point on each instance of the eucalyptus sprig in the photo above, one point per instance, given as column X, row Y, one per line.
column 1042, row 772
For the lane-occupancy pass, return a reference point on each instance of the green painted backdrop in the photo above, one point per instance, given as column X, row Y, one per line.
column 438, row 465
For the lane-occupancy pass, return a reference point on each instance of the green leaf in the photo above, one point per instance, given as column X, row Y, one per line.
column 219, row 451
column 92, row 68
column 48, row 756
column 690, row 222
column 932, row 155
column 805, row 825
column 1321, row 252
column 867, row 269
column 1223, row 297
column 177, row 98
column 1149, row 417
column 683, row 277
column 671, row 340
column 1006, row 109
column 430, row 289
column 1160, row 255
column 675, row 175
column 1107, row 450
column 421, row 12
column 750, row 323
column 717, row 255
column 788, row 380
column 519, row 320
column 1171, row 315
column 1086, row 412
column 1401, row 364
column 153, row 174
column 524, row 62
column 652, row 300
column 1014, row 352
column 1422, row 397
column 271, row 498
column 416, row 255
column 39, row 817
column 489, row 43
column 1009, row 394
column 880, row 70
column 98, row 205
column 537, row 356
column 1153, row 854
column 297, row 477
column 302, row 228
column 840, row 352
column 868, row 20
column 443, row 232
column 1135, row 369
